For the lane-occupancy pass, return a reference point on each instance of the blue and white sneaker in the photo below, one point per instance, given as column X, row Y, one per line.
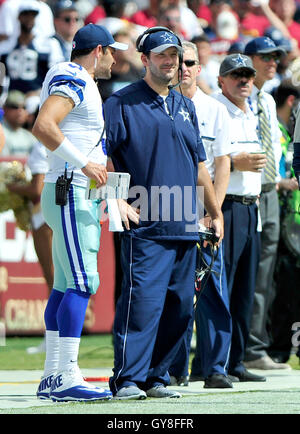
column 43, row 391
column 71, row 386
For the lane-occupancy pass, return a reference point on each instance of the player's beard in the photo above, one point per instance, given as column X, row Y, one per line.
column 161, row 76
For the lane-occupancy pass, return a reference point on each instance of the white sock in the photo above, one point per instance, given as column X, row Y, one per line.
column 52, row 352
column 68, row 353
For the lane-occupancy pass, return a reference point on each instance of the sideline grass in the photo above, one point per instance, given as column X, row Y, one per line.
column 95, row 351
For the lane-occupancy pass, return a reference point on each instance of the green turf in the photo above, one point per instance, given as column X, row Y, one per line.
column 96, row 351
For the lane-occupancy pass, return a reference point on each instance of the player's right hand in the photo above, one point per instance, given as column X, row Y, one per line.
column 97, row 172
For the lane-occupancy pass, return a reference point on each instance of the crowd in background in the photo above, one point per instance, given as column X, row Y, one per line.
column 36, row 34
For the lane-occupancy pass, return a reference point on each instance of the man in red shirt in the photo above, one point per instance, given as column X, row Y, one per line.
column 285, row 10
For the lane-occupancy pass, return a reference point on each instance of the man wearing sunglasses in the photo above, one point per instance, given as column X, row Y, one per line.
column 265, row 56
column 242, row 238
column 66, row 23
column 212, row 316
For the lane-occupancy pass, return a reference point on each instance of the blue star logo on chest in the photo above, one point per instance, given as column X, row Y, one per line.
column 240, row 61
column 167, row 37
column 185, row 115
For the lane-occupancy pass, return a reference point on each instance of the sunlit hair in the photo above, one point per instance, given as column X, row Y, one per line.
column 190, row 45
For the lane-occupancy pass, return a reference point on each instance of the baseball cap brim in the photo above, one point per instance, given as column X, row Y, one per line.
column 242, row 67
column 119, row 46
column 279, row 50
column 164, row 47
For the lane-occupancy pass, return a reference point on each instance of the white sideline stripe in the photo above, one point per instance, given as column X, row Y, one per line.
column 73, row 249
column 128, row 313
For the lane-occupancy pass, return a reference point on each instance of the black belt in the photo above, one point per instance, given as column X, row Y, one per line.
column 245, row 200
column 265, row 188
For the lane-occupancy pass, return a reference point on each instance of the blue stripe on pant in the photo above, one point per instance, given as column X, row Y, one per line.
column 153, row 310
column 241, row 252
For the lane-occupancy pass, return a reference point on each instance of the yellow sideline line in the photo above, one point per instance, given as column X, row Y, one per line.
column 36, row 280
column 16, row 383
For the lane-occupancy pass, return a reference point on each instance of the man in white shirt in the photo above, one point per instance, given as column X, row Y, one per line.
column 265, row 57
column 212, row 316
column 242, row 239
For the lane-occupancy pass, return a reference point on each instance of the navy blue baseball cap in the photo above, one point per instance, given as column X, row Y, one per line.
column 263, row 45
column 159, row 41
column 277, row 36
column 92, row 35
column 235, row 61
column 63, row 5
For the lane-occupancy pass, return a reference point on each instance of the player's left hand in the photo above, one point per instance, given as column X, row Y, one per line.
column 97, row 172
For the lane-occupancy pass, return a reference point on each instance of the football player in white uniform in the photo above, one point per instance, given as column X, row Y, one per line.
column 70, row 124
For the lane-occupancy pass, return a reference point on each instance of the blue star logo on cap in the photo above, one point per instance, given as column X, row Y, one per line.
column 167, row 37
column 269, row 42
column 241, row 61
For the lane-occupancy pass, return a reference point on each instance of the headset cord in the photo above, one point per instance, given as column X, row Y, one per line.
column 205, row 271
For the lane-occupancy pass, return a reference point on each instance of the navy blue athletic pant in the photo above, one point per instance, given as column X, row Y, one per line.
column 213, row 324
column 242, row 253
column 153, row 311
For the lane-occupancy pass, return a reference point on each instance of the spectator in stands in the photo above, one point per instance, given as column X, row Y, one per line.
column 126, row 70
column 114, row 8
column 202, row 10
column 253, row 21
column 147, row 17
column 18, row 141
column 10, row 26
column 283, row 71
column 227, row 31
column 28, row 60
column 66, row 20
column 169, row 16
column 285, row 10
column 216, row 7
column 98, row 13
column 207, row 80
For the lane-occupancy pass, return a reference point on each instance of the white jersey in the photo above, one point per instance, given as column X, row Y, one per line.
column 245, row 139
column 214, row 126
column 83, row 126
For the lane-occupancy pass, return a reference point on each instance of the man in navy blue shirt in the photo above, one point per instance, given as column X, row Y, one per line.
column 152, row 133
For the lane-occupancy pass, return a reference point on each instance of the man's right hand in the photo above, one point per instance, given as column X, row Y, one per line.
column 128, row 213
column 247, row 162
column 97, row 172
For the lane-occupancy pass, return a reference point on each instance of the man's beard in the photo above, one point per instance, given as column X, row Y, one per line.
column 26, row 29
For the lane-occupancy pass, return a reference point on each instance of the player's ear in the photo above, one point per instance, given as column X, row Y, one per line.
column 145, row 59
column 97, row 51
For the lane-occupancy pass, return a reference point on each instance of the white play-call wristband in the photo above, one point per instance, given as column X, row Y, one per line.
column 69, row 153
